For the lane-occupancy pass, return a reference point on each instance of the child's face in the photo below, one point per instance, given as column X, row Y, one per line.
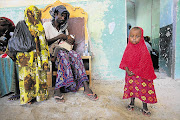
column 135, row 36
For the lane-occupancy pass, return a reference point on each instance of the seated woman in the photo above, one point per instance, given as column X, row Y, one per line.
column 6, row 30
column 6, row 27
column 33, row 64
column 71, row 74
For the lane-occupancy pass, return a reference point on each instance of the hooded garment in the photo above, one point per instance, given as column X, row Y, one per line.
column 61, row 9
column 137, row 58
column 37, row 31
column 33, row 65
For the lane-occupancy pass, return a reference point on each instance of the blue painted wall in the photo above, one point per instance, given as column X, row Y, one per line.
column 147, row 14
column 107, row 30
column 166, row 12
column 143, row 15
column 177, row 45
column 170, row 15
column 155, row 24
column 130, row 6
column 166, row 20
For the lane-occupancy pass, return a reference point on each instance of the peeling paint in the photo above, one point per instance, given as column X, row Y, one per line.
column 106, row 27
column 111, row 27
column 96, row 26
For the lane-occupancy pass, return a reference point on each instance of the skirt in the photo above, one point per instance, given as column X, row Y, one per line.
column 71, row 72
column 137, row 87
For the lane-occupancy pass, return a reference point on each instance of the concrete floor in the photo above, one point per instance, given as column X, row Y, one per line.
column 110, row 105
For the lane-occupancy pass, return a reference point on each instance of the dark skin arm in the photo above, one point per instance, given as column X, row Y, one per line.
column 60, row 37
column 130, row 73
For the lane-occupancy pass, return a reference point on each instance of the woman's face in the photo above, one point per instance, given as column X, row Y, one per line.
column 60, row 18
column 32, row 18
column 135, row 36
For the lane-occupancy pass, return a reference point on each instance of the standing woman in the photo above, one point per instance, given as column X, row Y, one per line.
column 33, row 65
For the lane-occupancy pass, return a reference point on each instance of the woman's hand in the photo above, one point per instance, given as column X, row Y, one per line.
column 59, row 37
column 62, row 36
column 70, row 40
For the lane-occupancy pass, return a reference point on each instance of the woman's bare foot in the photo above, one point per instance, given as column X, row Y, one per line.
column 32, row 101
column 88, row 93
column 59, row 99
column 14, row 97
column 58, row 96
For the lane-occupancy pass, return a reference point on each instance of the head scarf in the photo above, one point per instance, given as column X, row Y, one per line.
column 137, row 58
column 12, row 23
column 61, row 9
column 7, row 26
column 37, row 31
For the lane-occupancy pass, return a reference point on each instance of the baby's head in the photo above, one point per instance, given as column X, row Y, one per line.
column 135, row 35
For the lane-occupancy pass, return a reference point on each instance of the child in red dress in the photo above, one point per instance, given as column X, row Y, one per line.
column 139, row 69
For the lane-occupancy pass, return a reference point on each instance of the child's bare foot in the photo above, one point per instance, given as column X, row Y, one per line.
column 130, row 107
column 146, row 112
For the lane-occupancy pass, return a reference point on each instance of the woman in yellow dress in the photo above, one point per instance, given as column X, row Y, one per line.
column 33, row 65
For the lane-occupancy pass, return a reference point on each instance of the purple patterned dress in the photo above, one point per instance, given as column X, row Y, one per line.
column 71, row 72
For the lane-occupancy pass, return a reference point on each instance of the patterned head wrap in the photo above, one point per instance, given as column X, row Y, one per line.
column 61, row 9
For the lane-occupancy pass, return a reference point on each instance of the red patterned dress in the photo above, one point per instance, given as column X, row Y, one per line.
column 140, row 88
column 138, row 60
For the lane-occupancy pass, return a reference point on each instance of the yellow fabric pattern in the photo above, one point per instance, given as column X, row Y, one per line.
column 33, row 65
column 37, row 31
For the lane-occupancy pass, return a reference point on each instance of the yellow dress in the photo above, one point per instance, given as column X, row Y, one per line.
column 33, row 65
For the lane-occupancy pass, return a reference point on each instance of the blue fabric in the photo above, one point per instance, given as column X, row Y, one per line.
column 7, row 76
column 71, row 72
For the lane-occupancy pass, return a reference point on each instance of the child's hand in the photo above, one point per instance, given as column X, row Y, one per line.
column 130, row 73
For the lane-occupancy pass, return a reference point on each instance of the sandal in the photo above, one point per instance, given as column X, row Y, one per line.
column 130, row 107
column 93, row 97
column 14, row 97
column 146, row 112
column 59, row 99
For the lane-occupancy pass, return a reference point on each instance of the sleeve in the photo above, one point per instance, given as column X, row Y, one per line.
column 45, row 25
column 67, row 32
